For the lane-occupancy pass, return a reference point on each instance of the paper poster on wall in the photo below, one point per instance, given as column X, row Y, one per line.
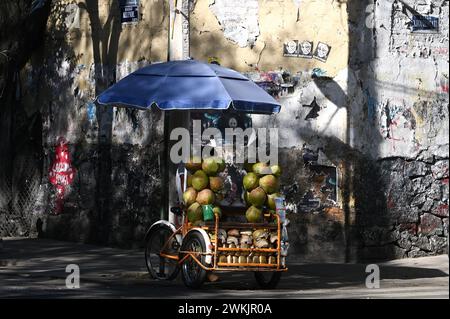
column 290, row 48
column 129, row 10
column 305, row 49
column 322, row 52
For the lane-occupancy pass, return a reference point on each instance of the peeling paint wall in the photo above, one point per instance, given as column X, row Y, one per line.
column 214, row 22
column 238, row 20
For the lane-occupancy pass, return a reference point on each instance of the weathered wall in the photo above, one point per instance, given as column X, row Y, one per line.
column 363, row 136
column 115, row 153
column 363, row 133
column 245, row 35
column 406, row 100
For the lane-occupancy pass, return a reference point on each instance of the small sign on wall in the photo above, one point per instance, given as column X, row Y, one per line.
column 129, row 11
column 425, row 24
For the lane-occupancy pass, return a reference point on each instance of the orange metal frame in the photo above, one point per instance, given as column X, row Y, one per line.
column 218, row 266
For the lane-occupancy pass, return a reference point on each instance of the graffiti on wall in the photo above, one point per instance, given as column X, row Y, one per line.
column 61, row 173
column 315, row 109
column 443, row 84
column 91, row 112
column 276, row 83
column 322, row 191
column 320, row 182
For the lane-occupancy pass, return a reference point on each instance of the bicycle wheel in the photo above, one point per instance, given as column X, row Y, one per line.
column 160, row 267
column 193, row 274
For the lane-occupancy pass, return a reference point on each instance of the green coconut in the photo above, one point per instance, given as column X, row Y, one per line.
column 189, row 196
column 215, row 183
column 269, row 184
column 257, row 197
column 195, row 213
column 205, row 197
column 276, row 170
column 261, row 169
column 200, row 180
column 271, row 200
column 210, row 166
column 221, row 164
column 250, row 181
column 253, row 214
column 194, row 164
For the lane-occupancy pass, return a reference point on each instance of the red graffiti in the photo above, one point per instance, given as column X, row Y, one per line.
column 390, row 202
column 61, row 172
column 442, row 210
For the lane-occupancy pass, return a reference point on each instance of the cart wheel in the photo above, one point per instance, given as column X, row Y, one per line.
column 267, row 280
column 160, row 267
column 193, row 275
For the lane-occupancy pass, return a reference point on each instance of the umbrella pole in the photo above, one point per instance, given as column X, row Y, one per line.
column 165, row 167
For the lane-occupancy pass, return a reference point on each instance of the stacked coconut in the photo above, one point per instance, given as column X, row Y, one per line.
column 204, row 187
column 261, row 185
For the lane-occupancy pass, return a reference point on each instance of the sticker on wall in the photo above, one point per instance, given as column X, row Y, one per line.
column 61, row 173
column 305, row 49
column 291, row 48
column 322, row 52
column 129, row 11
column 91, row 112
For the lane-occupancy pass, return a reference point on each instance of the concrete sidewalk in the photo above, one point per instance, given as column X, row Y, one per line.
column 35, row 268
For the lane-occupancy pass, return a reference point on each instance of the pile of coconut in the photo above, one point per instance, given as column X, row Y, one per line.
column 261, row 186
column 204, row 187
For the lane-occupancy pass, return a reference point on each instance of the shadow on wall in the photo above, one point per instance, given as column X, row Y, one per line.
column 363, row 197
column 112, row 200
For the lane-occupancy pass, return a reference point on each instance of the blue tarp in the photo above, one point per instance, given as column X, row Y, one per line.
column 189, row 85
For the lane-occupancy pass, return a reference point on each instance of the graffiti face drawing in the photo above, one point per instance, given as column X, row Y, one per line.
column 291, row 48
column 306, row 49
column 322, row 52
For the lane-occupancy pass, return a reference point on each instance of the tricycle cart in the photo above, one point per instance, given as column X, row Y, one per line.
column 199, row 249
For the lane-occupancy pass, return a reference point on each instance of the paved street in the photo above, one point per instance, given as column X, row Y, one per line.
column 36, row 268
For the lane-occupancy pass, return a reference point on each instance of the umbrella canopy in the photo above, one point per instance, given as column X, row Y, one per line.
column 189, row 85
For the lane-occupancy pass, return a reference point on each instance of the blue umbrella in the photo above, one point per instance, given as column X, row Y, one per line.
column 189, row 85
